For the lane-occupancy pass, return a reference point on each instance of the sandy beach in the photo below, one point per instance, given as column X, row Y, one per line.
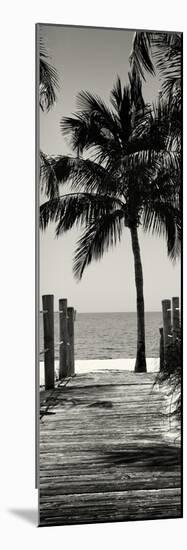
column 92, row 365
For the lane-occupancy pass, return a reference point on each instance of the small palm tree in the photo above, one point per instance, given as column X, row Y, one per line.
column 124, row 174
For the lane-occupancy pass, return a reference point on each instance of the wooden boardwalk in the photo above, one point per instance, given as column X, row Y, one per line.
column 107, row 451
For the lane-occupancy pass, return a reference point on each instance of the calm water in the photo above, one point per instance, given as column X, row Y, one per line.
column 109, row 335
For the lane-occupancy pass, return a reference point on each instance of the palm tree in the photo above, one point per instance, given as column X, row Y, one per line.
column 48, row 81
column 123, row 175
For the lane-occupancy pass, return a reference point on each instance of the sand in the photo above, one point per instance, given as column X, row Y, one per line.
column 82, row 365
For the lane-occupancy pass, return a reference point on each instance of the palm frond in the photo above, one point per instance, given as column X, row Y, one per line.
column 137, row 100
column 98, row 236
column 48, row 179
column 87, row 133
column 48, row 212
column 127, row 103
column 55, row 171
column 168, row 58
column 93, row 105
column 151, row 160
column 77, row 128
column 48, row 80
column 164, row 219
column 116, row 95
column 140, row 57
column 157, row 127
column 125, row 115
column 76, row 209
column 165, row 49
column 81, row 175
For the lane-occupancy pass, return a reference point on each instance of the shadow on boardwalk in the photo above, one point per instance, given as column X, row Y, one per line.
column 108, row 451
column 162, row 455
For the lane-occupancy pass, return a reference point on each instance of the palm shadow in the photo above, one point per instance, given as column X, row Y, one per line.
column 149, row 456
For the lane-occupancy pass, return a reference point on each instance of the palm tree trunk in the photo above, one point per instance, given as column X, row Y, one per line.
column 140, row 365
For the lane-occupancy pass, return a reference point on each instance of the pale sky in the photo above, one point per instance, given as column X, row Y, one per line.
column 90, row 59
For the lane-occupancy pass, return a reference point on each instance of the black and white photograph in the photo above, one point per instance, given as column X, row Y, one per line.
column 109, row 312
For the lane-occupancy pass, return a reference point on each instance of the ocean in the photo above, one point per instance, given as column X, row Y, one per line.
column 109, row 335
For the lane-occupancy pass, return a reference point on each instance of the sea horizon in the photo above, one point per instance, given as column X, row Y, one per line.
column 107, row 312
column 109, row 335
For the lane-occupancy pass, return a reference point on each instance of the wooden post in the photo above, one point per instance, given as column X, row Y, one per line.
column 161, row 349
column 176, row 317
column 49, row 356
column 166, row 312
column 63, row 333
column 71, row 366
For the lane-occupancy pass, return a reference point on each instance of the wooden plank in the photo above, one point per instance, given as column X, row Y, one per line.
column 107, row 452
column 115, row 377
column 94, row 486
column 123, row 505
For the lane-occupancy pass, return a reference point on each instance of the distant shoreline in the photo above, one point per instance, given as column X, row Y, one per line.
column 107, row 312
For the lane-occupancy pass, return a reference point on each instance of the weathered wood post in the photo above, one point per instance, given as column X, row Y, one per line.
column 49, row 356
column 71, row 365
column 161, row 349
column 63, row 333
column 166, row 312
column 175, row 317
